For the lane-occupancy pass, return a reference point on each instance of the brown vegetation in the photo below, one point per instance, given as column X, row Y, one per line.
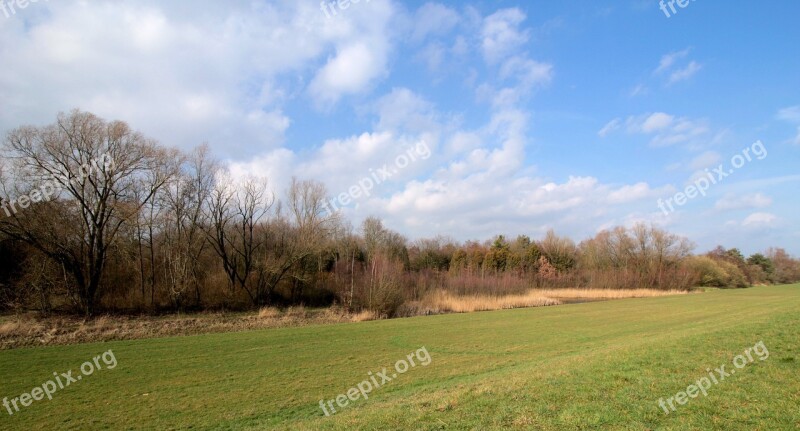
column 598, row 294
column 444, row 302
column 32, row 329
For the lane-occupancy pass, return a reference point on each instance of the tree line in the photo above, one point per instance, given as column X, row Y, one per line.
column 154, row 229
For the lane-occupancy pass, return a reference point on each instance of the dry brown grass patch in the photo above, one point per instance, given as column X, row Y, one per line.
column 8, row 328
column 269, row 313
column 365, row 316
column 33, row 329
column 606, row 293
column 298, row 312
column 441, row 301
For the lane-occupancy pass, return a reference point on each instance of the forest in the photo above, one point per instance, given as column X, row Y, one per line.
column 97, row 218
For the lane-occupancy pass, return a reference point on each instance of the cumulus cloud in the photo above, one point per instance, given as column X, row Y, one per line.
column 685, row 73
column 501, row 34
column 434, row 19
column 212, row 72
column 635, row 192
column 350, row 71
column 731, row 202
column 473, row 186
column 521, row 76
column 760, row 220
column 665, row 129
column 528, row 72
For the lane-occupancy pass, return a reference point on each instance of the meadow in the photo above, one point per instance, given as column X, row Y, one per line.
column 577, row 366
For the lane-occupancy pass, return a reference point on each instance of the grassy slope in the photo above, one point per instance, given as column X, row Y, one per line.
column 581, row 366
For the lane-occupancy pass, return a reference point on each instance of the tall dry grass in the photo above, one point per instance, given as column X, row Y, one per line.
column 269, row 313
column 606, row 293
column 444, row 302
column 441, row 301
column 365, row 316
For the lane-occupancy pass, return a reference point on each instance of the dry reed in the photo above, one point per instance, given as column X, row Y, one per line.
column 606, row 293
column 441, row 301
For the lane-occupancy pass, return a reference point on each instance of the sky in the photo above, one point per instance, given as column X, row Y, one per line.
column 462, row 119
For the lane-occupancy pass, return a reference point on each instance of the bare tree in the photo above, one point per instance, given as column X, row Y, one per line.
column 96, row 172
column 184, row 241
column 233, row 214
column 314, row 225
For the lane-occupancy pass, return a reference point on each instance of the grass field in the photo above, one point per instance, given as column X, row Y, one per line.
column 581, row 366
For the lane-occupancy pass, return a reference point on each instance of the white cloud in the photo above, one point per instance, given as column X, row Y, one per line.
column 611, row 126
column 209, row 72
column 528, row 72
column 405, row 119
column 670, row 64
column 732, row 202
column 434, row 19
column 639, row 90
column 760, row 220
column 525, row 76
column 633, row 193
column 656, row 122
column 434, row 55
column 705, row 160
column 351, row 71
column 685, row 73
column 668, row 60
column 501, row 35
column 475, row 185
column 406, row 111
column 666, row 129
column 790, row 114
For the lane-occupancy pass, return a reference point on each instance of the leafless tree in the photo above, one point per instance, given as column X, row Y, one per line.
column 234, row 212
column 184, row 241
column 83, row 178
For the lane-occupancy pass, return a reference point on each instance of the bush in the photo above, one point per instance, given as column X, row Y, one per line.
column 716, row 273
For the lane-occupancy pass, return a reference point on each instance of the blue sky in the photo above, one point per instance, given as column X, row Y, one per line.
column 575, row 116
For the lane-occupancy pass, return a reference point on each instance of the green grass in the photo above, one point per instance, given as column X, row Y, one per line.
column 582, row 366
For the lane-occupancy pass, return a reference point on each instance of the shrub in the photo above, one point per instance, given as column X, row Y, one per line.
column 716, row 273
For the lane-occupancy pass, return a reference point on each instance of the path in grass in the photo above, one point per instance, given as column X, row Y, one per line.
column 581, row 366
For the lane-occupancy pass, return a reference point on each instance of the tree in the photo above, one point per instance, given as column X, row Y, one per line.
column 183, row 238
column 787, row 269
column 434, row 254
column 762, row 262
column 314, row 224
column 386, row 256
column 498, row 256
column 86, row 178
column 234, row 211
column 560, row 252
